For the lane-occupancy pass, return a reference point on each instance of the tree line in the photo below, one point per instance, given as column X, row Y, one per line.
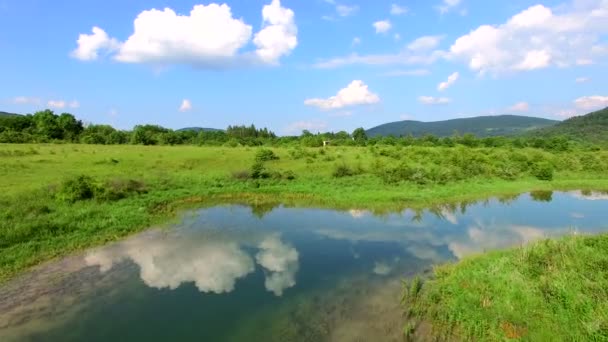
column 48, row 127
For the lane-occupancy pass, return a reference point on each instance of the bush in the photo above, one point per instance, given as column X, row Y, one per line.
column 265, row 155
column 117, row 189
column 543, row 171
column 241, row 175
column 258, row 170
column 77, row 189
column 343, row 170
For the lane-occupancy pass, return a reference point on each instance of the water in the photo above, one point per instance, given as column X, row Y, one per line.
column 235, row 273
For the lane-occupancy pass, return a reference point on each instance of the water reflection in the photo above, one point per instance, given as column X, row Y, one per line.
column 213, row 261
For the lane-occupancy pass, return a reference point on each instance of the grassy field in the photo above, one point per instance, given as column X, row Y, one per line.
column 547, row 291
column 56, row 199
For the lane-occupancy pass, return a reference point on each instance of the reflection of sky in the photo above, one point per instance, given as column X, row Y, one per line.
column 217, row 247
column 213, row 262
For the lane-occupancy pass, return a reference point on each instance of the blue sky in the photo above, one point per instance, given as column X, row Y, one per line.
column 302, row 64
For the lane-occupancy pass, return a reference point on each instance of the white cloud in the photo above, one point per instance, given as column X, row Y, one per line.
column 450, row 81
column 281, row 261
column 414, row 72
column 345, row 11
column 382, row 26
column 592, row 102
column 447, row 5
column 583, row 80
column 397, row 37
column 56, row 103
column 356, row 41
column 89, row 45
column 26, row 100
column 398, row 10
column 520, row 107
column 299, row 126
column 425, row 43
column 279, row 35
column 537, row 38
column 356, row 93
column 185, row 106
column 165, row 37
column 566, row 113
column 429, row 100
column 61, row 104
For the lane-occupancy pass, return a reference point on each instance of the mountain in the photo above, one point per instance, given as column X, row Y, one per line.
column 199, row 129
column 592, row 127
column 5, row 114
column 481, row 126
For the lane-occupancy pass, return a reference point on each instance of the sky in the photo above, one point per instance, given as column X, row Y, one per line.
column 289, row 65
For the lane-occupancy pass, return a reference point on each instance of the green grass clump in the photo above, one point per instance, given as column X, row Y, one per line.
column 547, row 291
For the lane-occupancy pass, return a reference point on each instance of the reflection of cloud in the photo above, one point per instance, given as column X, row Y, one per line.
column 281, row 260
column 170, row 260
column 356, row 213
column 213, row 262
column 382, row 268
column 449, row 216
column 577, row 215
column 592, row 196
column 482, row 239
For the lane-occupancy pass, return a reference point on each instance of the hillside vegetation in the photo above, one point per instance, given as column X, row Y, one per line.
column 592, row 127
column 482, row 126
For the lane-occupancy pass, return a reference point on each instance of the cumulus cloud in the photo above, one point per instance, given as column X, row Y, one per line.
column 583, row 80
column 536, row 38
column 356, row 93
column 209, row 36
column 382, row 26
column 89, row 45
column 430, row 100
column 592, row 102
column 398, row 10
column 450, row 81
column 279, row 35
column 520, row 107
column 185, row 106
column 281, row 261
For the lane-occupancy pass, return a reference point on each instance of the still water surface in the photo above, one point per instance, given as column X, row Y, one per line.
column 237, row 273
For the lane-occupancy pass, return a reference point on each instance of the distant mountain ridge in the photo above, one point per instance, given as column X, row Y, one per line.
column 592, row 127
column 8, row 114
column 199, row 129
column 481, row 126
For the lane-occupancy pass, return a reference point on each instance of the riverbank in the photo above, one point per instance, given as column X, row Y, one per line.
column 553, row 290
column 57, row 199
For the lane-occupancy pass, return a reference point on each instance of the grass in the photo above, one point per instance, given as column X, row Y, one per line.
column 548, row 291
column 56, row 199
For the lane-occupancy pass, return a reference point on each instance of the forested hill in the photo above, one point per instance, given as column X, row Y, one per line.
column 592, row 127
column 481, row 126
column 3, row 114
column 199, row 129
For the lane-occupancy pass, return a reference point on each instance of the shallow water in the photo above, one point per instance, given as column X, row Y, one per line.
column 235, row 273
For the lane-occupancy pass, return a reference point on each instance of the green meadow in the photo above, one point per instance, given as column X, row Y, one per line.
column 59, row 198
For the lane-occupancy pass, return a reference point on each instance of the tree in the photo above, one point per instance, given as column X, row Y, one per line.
column 359, row 135
column 70, row 127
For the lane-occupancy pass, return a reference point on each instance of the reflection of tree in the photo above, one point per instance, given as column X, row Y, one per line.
column 261, row 209
column 508, row 199
column 542, row 196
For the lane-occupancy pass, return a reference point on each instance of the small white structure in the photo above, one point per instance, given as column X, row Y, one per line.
column 326, row 143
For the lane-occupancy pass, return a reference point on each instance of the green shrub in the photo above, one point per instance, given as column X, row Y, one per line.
column 343, row 170
column 544, row 171
column 76, row 189
column 117, row 189
column 265, row 155
column 258, row 171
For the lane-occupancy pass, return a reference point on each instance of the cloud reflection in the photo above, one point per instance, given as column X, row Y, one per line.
column 213, row 262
